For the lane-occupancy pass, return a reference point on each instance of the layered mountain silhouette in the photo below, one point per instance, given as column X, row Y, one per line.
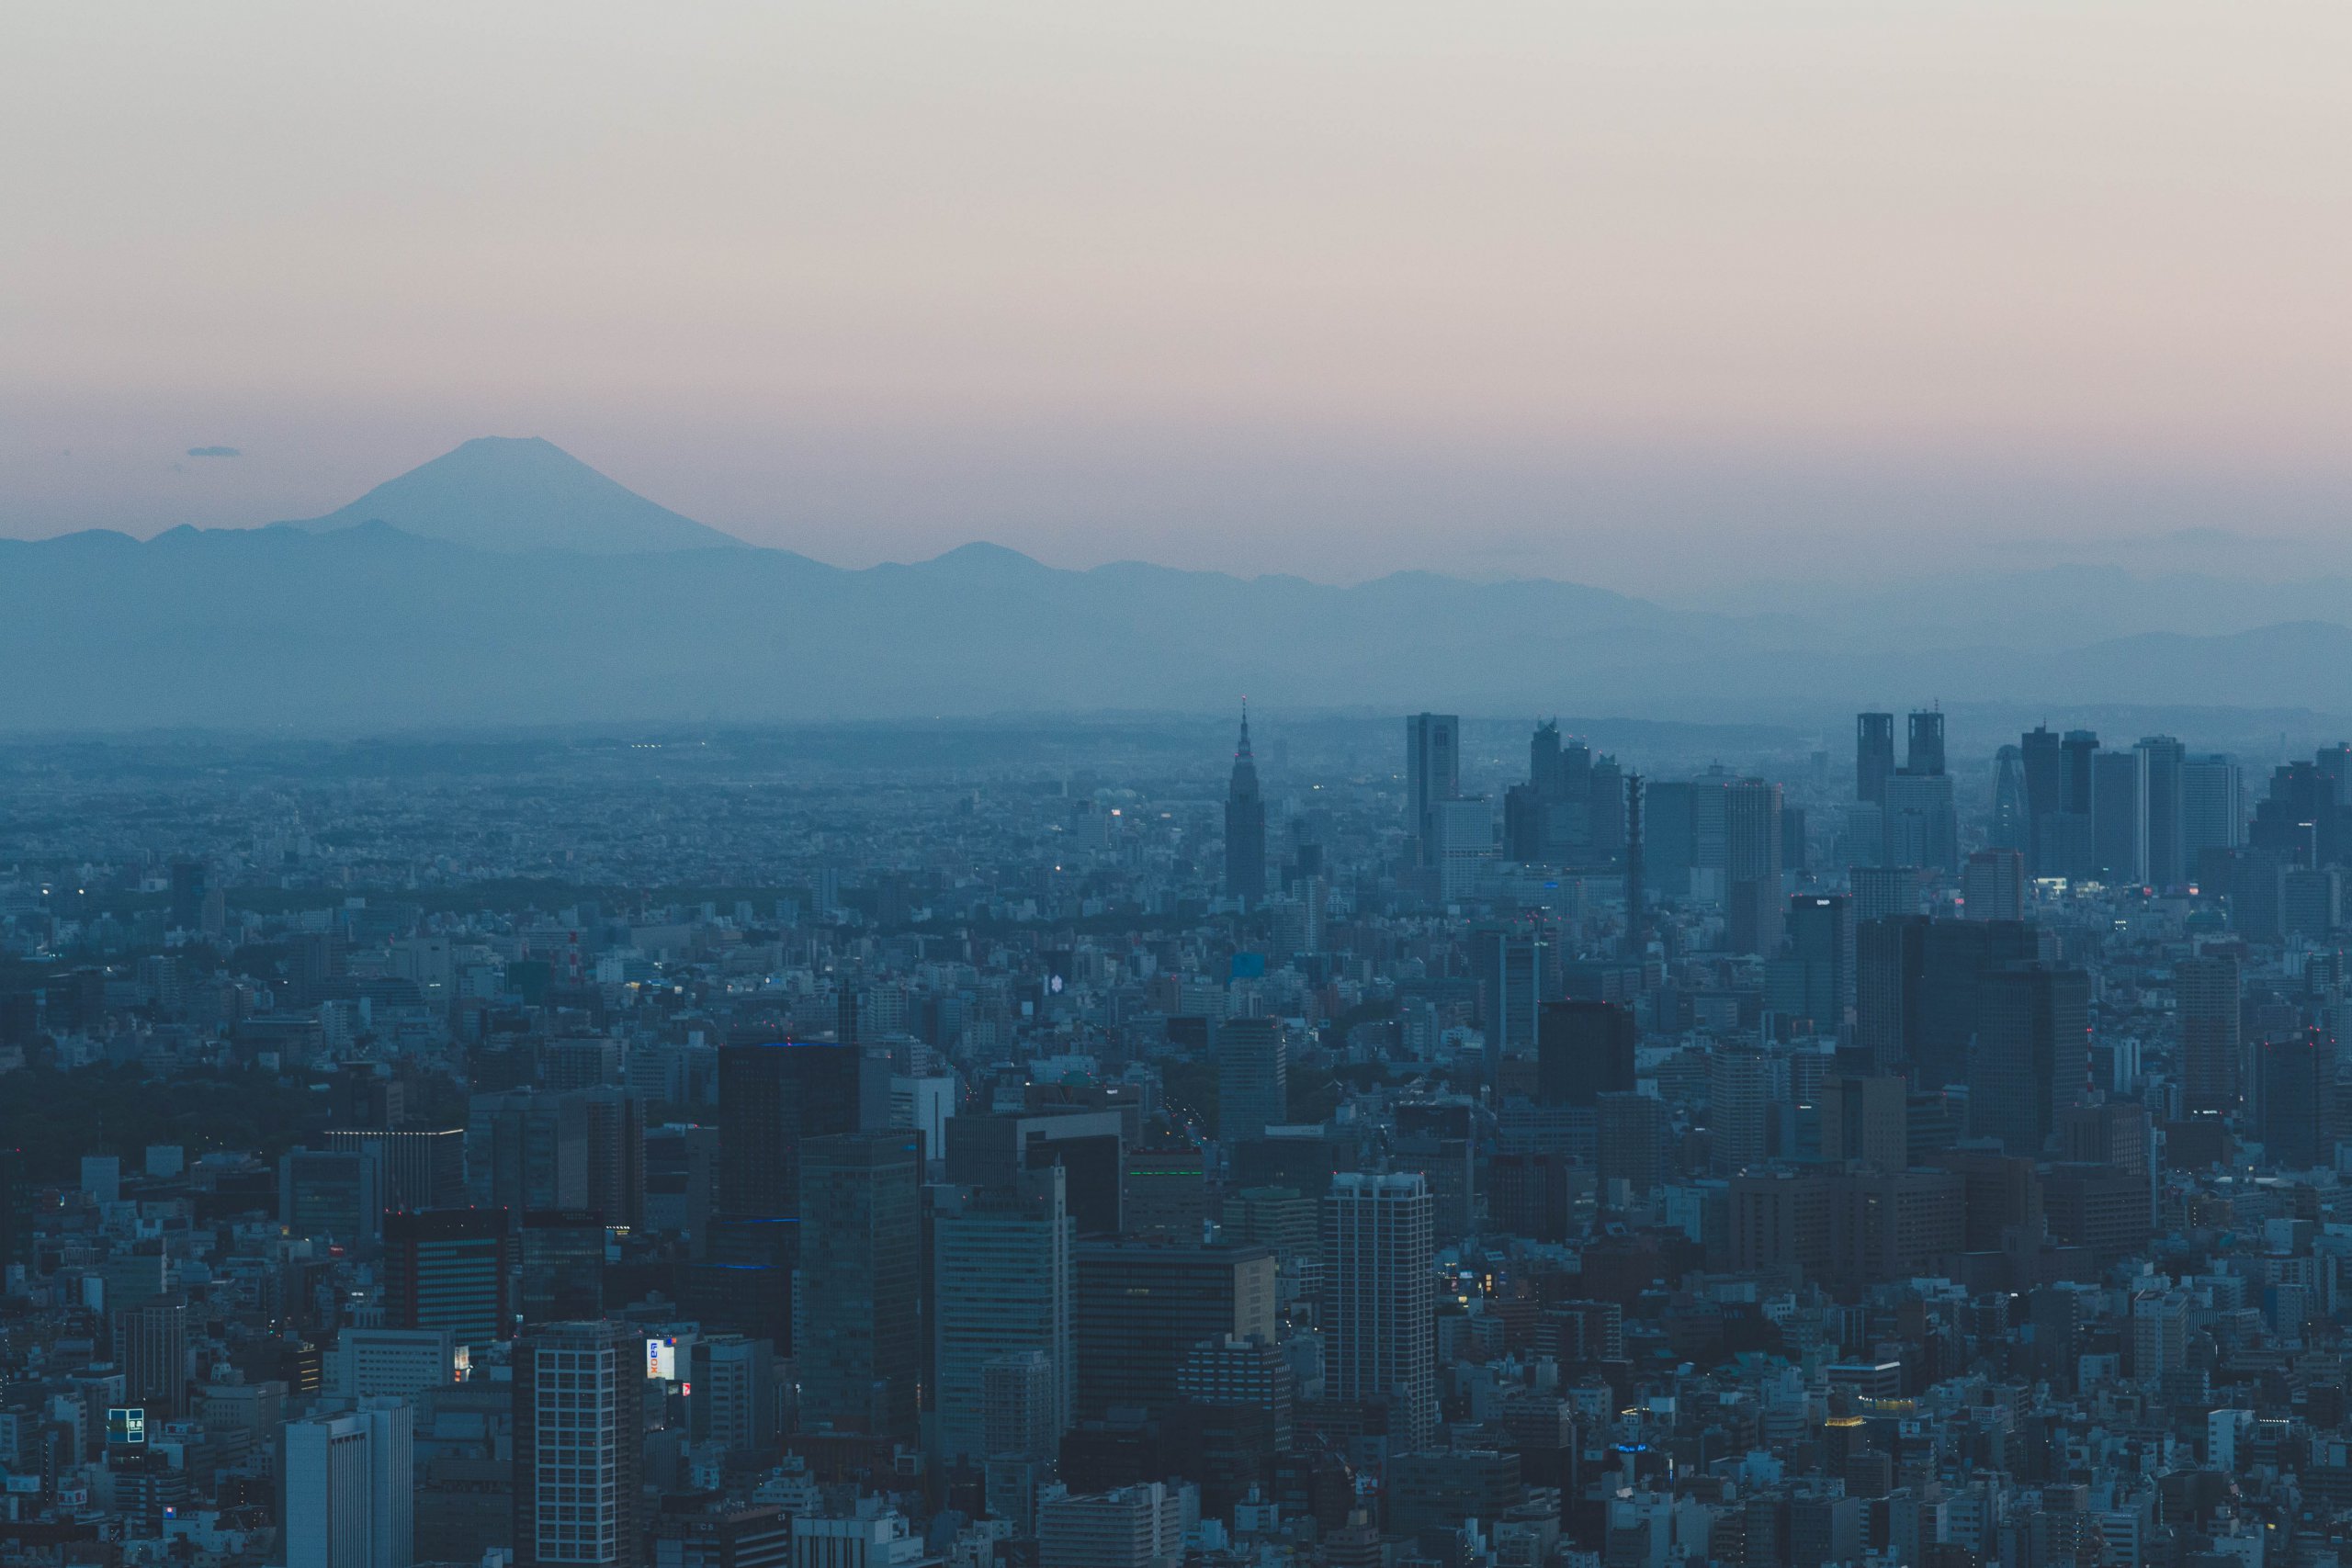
column 508, row 582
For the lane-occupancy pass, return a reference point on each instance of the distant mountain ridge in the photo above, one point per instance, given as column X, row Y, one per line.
column 505, row 493
column 523, row 587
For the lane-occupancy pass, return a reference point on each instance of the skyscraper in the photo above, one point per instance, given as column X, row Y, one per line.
column 1752, row 865
column 2031, row 1056
column 2206, row 997
column 1379, row 1300
column 1637, row 892
column 1252, row 1078
column 350, row 1482
column 2212, row 808
column 1001, row 1285
column 1923, row 754
column 1432, row 773
column 579, row 1439
column 2294, row 1093
column 1992, row 885
column 1921, row 826
column 2044, row 768
column 773, row 1096
column 2168, row 860
column 1813, row 977
column 1583, row 1050
column 857, row 1335
column 1245, row 827
column 2012, row 823
column 1873, row 756
column 2119, row 815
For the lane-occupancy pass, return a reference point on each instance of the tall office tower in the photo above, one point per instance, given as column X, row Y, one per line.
column 1992, row 885
column 350, row 1482
column 562, row 1271
column 2119, row 815
column 1866, row 1119
column 2294, row 1094
column 857, row 1330
column 614, row 1132
column 2213, row 807
column 2077, row 788
column 1138, row 1306
column 1953, row 956
column 1629, row 1143
column 1922, row 822
column 2042, row 759
column 1001, row 1284
column 2011, row 827
column 1880, row 891
column 1516, row 964
column 1813, row 976
column 1583, row 1050
column 579, row 1442
column 1168, row 1189
column 1637, row 916
column 151, row 1346
column 1889, row 961
column 1873, row 755
column 1379, row 1302
column 2206, row 994
column 450, row 1269
column 1605, row 814
column 1669, row 844
column 773, row 1096
column 1924, row 755
column 1752, row 866
column 1245, row 827
column 730, row 1401
column 1252, row 1078
column 2031, row 1060
column 2168, row 858
column 1432, row 773
column 527, row 1149
column 1545, row 772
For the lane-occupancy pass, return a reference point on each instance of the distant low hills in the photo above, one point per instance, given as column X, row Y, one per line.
column 508, row 582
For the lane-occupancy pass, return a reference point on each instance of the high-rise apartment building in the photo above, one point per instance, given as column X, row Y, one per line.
column 1379, row 1298
column 579, row 1441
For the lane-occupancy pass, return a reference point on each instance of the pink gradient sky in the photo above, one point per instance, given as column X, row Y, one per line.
column 1661, row 295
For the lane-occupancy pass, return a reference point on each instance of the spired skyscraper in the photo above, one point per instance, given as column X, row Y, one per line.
column 1245, row 826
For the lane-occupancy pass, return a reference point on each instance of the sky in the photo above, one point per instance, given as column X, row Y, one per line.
column 1691, row 298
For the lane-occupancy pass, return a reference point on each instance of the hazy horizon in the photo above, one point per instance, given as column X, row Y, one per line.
column 1671, row 300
